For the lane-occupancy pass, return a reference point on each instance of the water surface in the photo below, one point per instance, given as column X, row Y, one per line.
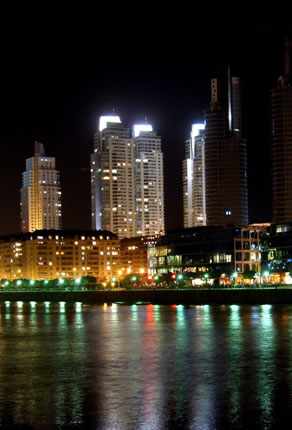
column 145, row 367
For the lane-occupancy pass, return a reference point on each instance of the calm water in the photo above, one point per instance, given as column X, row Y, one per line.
column 145, row 367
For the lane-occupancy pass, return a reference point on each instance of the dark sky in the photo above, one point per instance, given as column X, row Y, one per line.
column 55, row 85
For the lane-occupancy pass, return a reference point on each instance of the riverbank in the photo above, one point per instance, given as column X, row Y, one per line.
column 168, row 297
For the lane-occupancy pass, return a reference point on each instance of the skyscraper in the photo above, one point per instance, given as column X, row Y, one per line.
column 281, row 115
column 194, row 194
column 149, row 184
column 112, row 178
column 225, row 155
column 127, row 194
column 40, row 193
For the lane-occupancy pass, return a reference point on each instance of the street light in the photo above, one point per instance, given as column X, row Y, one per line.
column 266, row 274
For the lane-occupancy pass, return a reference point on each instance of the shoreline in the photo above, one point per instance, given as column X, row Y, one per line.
column 163, row 297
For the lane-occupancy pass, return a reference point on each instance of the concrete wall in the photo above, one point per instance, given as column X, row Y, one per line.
column 252, row 296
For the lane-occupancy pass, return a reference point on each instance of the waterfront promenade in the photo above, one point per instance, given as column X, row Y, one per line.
column 248, row 295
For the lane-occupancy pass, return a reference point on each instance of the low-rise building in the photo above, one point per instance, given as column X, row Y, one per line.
column 51, row 254
column 213, row 250
column 134, row 256
column 277, row 254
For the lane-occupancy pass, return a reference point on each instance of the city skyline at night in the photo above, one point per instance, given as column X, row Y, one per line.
column 146, row 220
column 63, row 113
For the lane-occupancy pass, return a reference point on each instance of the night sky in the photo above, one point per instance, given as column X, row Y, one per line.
column 54, row 87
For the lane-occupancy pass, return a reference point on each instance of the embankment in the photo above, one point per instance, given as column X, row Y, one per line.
column 192, row 296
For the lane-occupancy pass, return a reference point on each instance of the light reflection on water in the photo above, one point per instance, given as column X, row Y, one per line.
column 145, row 366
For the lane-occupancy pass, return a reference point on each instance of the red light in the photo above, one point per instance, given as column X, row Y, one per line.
column 173, row 276
column 150, row 277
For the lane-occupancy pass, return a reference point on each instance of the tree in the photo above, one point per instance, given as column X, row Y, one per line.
column 249, row 274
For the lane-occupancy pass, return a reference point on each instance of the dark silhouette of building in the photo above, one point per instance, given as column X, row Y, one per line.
column 281, row 115
column 225, row 154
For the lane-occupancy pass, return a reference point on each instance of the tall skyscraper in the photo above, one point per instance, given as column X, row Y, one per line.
column 149, row 184
column 127, row 179
column 112, row 178
column 194, row 194
column 40, row 193
column 281, row 115
column 225, row 155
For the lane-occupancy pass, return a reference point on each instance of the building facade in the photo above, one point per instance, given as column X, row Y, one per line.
column 40, row 206
column 112, row 179
column 127, row 191
column 52, row 254
column 133, row 253
column 225, row 155
column 194, row 190
column 281, row 116
column 209, row 250
column 277, row 254
column 149, row 181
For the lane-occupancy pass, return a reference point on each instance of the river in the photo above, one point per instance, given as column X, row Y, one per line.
column 145, row 367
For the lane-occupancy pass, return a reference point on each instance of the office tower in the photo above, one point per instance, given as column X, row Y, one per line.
column 149, row 185
column 40, row 193
column 281, row 115
column 225, row 155
column 194, row 195
column 112, row 178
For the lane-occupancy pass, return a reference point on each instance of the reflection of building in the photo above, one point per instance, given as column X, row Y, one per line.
column 194, row 198
column 51, row 254
column 40, row 193
column 148, row 181
column 209, row 249
column 225, row 155
column 281, row 106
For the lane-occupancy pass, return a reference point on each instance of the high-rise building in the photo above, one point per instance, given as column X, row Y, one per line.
column 194, row 195
column 112, row 178
column 40, row 193
column 281, row 107
column 127, row 179
column 225, row 155
column 149, row 185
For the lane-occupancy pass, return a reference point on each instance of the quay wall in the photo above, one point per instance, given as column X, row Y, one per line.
column 168, row 297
